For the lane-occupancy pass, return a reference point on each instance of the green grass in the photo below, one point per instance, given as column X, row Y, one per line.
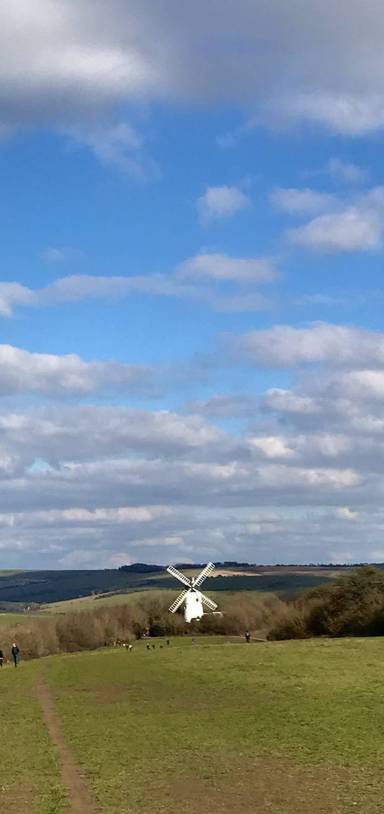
column 13, row 618
column 29, row 772
column 275, row 728
column 228, row 726
column 92, row 602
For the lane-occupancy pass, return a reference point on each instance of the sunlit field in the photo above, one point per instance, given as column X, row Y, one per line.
column 214, row 722
column 29, row 765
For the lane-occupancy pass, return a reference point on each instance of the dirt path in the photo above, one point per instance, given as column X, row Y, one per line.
column 73, row 782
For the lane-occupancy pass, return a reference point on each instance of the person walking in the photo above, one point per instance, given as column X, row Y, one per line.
column 15, row 654
column 1, row 658
column 247, row 636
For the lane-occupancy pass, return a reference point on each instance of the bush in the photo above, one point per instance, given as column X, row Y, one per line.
column 352, row 606
column 290, row 624
column 104, row 625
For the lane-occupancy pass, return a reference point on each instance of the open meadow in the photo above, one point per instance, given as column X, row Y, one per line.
column 277, row 727
column 29, row 767
column 12, row 618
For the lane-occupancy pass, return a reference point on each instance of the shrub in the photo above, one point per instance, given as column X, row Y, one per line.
column 290, row 625
column 352, row 606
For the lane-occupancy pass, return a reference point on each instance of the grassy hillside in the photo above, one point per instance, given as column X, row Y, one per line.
column 11, row 618
column 42, row 587
column 275, row 727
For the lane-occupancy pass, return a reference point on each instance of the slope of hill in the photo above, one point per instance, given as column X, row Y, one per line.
column 42, row 587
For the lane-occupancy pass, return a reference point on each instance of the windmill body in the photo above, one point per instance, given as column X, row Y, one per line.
column 193, row 599
column 193, row 608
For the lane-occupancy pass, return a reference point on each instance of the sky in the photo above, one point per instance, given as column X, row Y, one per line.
column 191, row 299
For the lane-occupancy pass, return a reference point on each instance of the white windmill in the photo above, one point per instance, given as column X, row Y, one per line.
column 193, row 598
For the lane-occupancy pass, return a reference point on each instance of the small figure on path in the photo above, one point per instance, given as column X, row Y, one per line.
column 148, row 646
column 168, row 642
column 1, row 658
column 130, row 648
column 15, row 654
column 247, row 636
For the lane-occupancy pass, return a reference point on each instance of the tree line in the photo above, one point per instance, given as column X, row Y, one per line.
column 351, row 605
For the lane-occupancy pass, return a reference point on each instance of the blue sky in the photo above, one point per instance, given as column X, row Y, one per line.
column 192, row 339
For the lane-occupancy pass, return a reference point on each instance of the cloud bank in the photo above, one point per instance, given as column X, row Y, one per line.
column 84, row 60
column 301, row 464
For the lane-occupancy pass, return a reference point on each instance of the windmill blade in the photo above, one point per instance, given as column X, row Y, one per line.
column 206, row 572
column 179, row 601
column 175, row 573
column 208, row 602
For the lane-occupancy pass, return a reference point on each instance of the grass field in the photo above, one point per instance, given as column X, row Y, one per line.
column 11, row 618
column 92, row 602
column 29, row 767
column 283, row 728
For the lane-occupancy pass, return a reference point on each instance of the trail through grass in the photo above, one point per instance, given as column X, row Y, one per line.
column 276, row 727
column 29, row 770
column 273, row 728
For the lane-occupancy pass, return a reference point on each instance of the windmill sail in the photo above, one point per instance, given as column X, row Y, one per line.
column 206, row 572
column 178, row 602
column 175, row 573
column 208, row 602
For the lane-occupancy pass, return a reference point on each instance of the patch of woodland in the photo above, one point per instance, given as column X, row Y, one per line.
column 351, row 605
column 149, row 615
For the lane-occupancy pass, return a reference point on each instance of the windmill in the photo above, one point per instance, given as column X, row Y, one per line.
column 193, row 598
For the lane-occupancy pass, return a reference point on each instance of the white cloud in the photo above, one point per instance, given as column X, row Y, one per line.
column 221, row 202
column 287, row 346
column 225, row 406
column 349, row 113
column 346, row 171
column 119, row 146
column 302, row 201
column 272, row 447
column 61, row 254
column 221, row 267
column 348, row 231
column 346, row 513
column 286, row 401
column 359, row 384
column 348, row 223
column 53, row 375
column 201, row 278
column 13, row 294
column 91, row 433
column 120, row 515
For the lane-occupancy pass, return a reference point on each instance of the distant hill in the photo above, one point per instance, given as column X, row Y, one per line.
column 42, row 587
